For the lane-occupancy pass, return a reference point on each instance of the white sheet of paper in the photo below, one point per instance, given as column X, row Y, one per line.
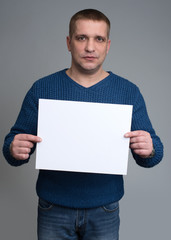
column 83, row 136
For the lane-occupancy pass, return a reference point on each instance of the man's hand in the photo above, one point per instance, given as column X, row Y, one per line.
column 22, row 144
column 140, row 142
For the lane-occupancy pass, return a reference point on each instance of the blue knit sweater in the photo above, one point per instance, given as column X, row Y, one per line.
column 82, row 190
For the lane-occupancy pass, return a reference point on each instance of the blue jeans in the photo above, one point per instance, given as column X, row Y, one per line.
column 61, row 223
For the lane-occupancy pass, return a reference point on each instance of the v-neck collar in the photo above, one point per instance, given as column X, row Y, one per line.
column 96, row 85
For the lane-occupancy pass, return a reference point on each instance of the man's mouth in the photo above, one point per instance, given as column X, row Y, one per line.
column 90, row 58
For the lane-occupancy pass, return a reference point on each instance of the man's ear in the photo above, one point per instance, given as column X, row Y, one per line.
column 68, row 41
column 108, row 46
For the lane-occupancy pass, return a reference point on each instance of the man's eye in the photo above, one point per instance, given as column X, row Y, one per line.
column 81, row 38
column 100, row 39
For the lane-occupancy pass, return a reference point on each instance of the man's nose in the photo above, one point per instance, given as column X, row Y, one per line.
column 90, row 47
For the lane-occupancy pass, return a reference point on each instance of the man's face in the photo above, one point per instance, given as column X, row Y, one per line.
column 88, row 45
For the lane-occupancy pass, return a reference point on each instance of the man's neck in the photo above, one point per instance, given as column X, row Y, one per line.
column 86, row 79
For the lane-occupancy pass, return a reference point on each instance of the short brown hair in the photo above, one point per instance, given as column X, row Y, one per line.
column 89, row 14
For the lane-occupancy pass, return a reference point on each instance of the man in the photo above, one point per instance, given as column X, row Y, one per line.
column 82, row 205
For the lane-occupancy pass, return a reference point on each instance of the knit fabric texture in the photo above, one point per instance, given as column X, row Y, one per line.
column 73, row 189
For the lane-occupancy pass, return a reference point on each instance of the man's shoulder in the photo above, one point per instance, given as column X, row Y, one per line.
column 122, row 81
column 49, row 79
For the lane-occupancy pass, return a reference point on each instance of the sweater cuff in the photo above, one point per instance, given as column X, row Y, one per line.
column 150, row 161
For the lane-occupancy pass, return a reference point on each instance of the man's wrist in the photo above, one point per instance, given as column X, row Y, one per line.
column 152, row 153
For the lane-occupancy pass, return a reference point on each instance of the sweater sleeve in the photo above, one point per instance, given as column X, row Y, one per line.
column 26, row 123
column 141, row 121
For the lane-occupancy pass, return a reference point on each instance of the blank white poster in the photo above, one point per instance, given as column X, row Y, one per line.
column 83, row 136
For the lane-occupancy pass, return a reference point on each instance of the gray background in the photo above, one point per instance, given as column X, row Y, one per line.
column 32, row 45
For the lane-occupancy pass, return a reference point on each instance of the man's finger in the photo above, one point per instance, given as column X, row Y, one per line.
column 23, row 150
column 22, row 144
column 22, row 156
column 28, row 137
column 134, row 134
